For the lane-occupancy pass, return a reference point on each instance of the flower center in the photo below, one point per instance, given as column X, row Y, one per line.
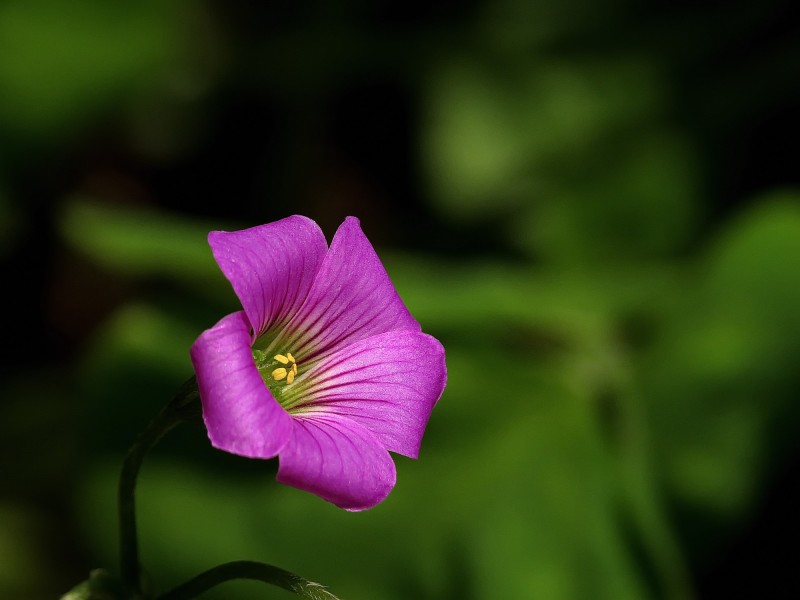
column 288, row 371
column 279, row 372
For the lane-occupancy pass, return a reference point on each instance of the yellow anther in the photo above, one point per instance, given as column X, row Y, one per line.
column 288, row 372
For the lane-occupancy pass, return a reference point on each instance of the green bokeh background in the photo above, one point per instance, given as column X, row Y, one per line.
column 594, row 205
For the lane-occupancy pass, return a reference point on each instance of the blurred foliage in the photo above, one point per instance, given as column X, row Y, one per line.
column 137, row 242
column 64, row 62
column 584, row 201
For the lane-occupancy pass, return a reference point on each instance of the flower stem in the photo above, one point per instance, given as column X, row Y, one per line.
column 184, row 406
column 248, row 569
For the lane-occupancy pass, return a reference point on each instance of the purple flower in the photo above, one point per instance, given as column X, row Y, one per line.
column 324, row 368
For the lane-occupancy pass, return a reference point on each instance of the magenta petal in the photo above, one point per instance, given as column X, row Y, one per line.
column 389, row 383
column 271, row 267
column 352, row 298
column 338, row 460
column 240, row 413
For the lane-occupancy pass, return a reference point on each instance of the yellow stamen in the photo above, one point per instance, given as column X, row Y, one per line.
column 289, row 372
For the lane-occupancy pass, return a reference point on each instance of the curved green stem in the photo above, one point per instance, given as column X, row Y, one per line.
column 183, row 406
column 248, row 569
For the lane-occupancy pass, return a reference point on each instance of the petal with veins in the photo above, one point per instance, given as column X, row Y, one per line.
column 338, row 460
column 240, row 414
column 389, row 383
column 352, row 298
column 271, row 267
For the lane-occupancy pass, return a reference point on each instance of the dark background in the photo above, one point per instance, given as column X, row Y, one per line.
column 594, row 205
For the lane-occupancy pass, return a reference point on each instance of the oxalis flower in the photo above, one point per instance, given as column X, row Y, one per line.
column 324, row 367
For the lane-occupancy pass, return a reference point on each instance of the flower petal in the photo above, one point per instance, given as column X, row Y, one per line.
column 338, row 460
column 352, row 298
column 240, row 413
column 389, row 383
column 271, row 267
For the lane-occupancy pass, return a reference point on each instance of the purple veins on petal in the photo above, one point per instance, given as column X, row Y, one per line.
column 352, row 297
column 389, row 383
column 271, row 267
column 338, row 460
column 240, row 413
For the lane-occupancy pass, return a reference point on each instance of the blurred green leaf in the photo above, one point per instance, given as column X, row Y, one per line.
column 722, row 382
column 636, row 200
column 139, row 241
column 473, row 297
column 132, row 367
column 18, row 549
column 756, row 263
column 143, row 336
column 62, row 62
column 493, row 134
